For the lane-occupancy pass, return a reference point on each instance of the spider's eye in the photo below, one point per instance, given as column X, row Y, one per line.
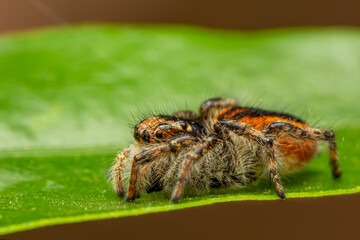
column 136, row 135
column 159, row 134
column 146, row 136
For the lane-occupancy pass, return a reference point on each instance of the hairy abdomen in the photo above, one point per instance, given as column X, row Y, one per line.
column 294, row 153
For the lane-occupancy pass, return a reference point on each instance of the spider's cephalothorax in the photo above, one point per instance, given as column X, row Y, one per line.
column 225, row 145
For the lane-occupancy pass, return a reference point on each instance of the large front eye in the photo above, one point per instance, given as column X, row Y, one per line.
column 159, row 134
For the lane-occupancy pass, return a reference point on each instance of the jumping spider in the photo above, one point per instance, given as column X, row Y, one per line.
column 225, row 145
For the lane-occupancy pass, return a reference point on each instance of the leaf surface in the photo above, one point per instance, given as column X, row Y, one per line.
column 69, row 95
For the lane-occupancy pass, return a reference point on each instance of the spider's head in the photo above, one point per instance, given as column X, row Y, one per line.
column 164, row 128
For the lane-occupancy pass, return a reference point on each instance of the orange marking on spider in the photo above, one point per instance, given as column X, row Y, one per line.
column 226, row 144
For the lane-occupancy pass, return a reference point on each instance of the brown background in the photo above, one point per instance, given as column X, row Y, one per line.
column 234, row 14
column 314, row 218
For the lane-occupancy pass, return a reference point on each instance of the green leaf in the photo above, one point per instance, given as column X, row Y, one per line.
column 68, row 96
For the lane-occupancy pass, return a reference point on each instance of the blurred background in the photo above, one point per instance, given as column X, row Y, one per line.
column 228, row 14
column 19, row 15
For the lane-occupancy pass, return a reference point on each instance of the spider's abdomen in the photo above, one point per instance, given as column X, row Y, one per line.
column 294, row 153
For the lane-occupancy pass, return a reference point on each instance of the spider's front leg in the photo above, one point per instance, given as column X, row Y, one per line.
column 243, row 129
column 309, row 133
column 194, row 154
column 173, row 145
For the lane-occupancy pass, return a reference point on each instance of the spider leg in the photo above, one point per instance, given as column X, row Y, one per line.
column 259, row 137
column 194, row 154
column 208, row 107
column 117, row 171
column 149, row 155
column 310, row 133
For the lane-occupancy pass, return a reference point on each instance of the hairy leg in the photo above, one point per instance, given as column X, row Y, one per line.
column 150, row 154
column 194, row 154
column 309, row 133
column 117, row 172
column 259, row 137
